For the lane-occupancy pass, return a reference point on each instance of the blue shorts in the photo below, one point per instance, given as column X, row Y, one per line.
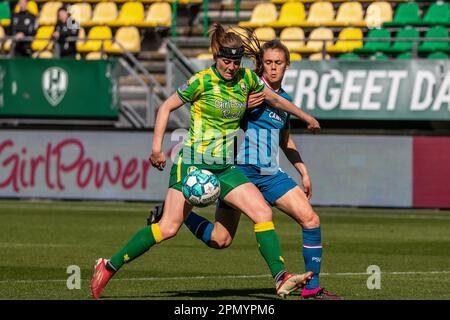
column 272, row 187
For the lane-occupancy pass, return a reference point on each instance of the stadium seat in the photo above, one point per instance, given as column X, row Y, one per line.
column 348, row 14
column 430, row 45
column 404, row 56
column 437, row 13
column 317, row 39
column 379, row 57
column 159, row 14
column 378, row 13
column 291, row 14
column 437, row 55
column 263, row 14
column 128, row 37
column 42, row 41
column 264, row 34
column 104, row 12
column 31, row 6
column 344, row 44
column 5, row 14
column 97, row 32
column 130, row 14
column 96, row 56
column 81, row 12
column 293, row 56
column 403, row 46
column 293, row 38
column 42, row 55
column 242, row 32
column 406, row 14
column 349, row 56
column 319, row 56
column 319, row 13
column 371, row 46
column 205, row 56
column 49, row 13
column 81, row 39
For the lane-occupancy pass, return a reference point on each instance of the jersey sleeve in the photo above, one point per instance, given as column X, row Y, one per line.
column 255, row 83
column 190, row 90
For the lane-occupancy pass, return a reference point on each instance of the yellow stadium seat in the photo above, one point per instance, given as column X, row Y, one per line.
column 205, row 56
column 348, row 14
column 316, row 40
column 130, row 14
column 319, row 13
column 128, row 37
column 97, row 32
column 264, row 34
column 159, row 14
column 293, row 38
column 377, row 13
column 104, row 12
column 31, row 6
column 342, row 45
column 96, row 56
column 43, row 54
column 262, row 15
column 81, row 38
column 291, row 14
column 42, row 41
column 295, row 56
column 319, row 56
column 81, row 12
column 49, row 13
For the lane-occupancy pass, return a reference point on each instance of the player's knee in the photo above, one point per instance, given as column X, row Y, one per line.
column 221, row 242
column 311, row 221
column 168, row 232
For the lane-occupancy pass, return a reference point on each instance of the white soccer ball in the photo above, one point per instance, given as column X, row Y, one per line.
column 201, row 188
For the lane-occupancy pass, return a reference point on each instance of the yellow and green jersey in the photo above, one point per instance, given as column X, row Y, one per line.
column 217, row 106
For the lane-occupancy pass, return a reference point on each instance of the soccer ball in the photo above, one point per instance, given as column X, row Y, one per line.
column 201, row 188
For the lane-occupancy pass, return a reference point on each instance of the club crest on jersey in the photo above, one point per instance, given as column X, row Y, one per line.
column 243, row 87
column 216, row 89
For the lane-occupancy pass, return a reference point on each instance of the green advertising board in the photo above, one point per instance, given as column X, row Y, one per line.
column 414, row 89
column 59, row 88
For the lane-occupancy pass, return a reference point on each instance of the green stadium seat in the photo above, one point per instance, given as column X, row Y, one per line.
column 379, row 57
column 371, row 46
column 435, row 32
column 5, row 14
column 437, row 13
column 349, row 56
column 405, row 56
column 438, row 55
column 400, row 46
column 406, row 14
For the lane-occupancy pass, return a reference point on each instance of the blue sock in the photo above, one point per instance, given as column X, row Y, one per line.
column 200, row 227
column 312, row 254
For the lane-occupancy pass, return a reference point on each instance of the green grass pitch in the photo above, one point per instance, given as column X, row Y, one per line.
column 39, row 240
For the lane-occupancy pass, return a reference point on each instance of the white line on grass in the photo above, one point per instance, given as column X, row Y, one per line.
column 338, row 274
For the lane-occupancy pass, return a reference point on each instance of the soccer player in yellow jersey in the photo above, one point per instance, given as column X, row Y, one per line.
column 218, row 98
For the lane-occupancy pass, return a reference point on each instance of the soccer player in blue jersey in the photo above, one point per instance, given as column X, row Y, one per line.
column 267, row 129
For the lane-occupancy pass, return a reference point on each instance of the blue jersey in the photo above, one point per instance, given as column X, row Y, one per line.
column 260, row 148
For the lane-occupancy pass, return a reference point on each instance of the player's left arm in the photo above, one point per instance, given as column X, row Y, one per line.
column 287, row 144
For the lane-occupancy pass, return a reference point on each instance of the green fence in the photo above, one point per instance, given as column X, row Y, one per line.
column 59, row 88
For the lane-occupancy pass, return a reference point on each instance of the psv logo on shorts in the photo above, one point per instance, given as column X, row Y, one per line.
column 54, row 85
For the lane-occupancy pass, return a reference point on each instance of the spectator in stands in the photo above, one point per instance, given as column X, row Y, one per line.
column 65, row 29
column 24, row 24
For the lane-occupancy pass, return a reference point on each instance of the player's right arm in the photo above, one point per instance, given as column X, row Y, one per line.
column 157, row 157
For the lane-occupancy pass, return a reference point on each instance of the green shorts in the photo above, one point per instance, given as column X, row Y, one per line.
column 229, row 176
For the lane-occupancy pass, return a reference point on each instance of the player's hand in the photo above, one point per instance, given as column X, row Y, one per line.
column 313, row 125
column 307, row 188
column 255, row 99
column 158, row 160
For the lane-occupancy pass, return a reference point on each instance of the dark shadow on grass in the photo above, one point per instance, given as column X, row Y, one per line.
column 263, row 294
